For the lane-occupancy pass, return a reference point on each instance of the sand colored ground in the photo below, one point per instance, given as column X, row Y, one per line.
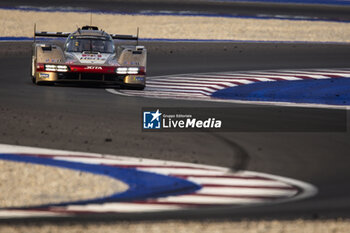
column 20, row 23
column 23, row 184
column 294, row 226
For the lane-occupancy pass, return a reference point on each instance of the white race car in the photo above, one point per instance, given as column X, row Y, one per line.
column 89, row 55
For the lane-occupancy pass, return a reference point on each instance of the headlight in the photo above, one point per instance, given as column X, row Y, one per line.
column 133, row 70
column 59, row 68
column 50, row 67
column 126, row 70
column 122, row 70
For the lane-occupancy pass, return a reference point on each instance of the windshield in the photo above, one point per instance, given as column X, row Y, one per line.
column 90, row 45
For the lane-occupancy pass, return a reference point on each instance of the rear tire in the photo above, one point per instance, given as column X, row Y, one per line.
column 32, row 70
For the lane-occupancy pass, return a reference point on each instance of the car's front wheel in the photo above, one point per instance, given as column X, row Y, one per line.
column 32, row 70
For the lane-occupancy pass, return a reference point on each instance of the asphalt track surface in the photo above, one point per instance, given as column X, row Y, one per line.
column 204, row 7
column 92, row 120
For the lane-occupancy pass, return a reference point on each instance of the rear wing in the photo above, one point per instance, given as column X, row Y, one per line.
column 49, row 34
column 52, row 34
column 126, row 37
column 66, row 34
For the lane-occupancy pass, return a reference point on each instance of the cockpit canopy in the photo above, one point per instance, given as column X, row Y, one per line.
column 93, row 44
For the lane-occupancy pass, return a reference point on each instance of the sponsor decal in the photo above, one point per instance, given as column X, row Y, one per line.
column 88, row 58
column 131, row 63
column 93, row 68
column 43, row 75
column 92, row 57
column 53, row 60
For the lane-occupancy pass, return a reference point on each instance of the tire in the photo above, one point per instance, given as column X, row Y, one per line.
column 32, row 70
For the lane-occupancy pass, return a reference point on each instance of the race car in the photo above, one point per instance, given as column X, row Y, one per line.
column 89, row 55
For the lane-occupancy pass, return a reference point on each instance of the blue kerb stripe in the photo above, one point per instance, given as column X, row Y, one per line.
column 21, row 38
column 333, row 91
column 313, row 2
column 142, row 184
column 194, row 14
